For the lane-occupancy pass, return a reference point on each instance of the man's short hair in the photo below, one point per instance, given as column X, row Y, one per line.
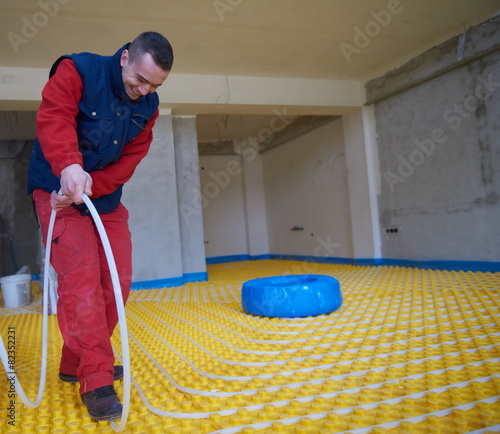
column 155, row 44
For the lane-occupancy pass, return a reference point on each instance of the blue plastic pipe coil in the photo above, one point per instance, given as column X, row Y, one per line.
column 291, row 296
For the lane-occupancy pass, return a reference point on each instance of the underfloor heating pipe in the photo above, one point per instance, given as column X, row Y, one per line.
column 9, row 362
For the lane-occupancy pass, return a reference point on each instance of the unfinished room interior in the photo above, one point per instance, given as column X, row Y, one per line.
column 296, row 141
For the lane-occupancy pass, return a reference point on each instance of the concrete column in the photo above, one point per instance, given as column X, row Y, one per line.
column 253, row 198
column 363, row 181
column 188, row 195
column 151, row 198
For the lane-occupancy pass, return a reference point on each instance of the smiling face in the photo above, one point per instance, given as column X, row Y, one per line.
column 142, row 76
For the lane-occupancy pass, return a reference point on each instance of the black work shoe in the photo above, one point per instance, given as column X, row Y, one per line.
column 102, row 403
column 67, row 378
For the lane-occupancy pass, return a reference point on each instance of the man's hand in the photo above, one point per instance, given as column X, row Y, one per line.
column 74, row 182
column 58, row 201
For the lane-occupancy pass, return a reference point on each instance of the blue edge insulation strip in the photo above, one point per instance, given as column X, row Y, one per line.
column 493, row 267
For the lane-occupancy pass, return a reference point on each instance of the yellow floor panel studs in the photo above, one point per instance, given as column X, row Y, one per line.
column 409, row 351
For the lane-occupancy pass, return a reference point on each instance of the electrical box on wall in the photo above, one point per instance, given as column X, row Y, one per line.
column 391, row 230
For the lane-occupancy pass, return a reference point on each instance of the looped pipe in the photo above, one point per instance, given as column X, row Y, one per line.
column 121, row 319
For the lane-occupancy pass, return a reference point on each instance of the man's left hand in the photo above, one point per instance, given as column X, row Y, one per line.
column 59, row 202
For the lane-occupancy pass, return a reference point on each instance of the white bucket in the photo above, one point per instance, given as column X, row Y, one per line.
column 16, row 290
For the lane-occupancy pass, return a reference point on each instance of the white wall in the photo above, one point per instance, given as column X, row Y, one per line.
column 363, row 181
column 305, row 183
column 254, row 199
column 223, row 206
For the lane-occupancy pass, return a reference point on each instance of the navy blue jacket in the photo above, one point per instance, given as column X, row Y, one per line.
column 107, row 120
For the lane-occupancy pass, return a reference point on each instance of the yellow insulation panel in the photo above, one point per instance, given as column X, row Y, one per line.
column 409, row 351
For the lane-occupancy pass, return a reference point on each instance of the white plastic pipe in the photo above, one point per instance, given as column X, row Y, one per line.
column 121, row 313
column 121, row 319
column 12, row 375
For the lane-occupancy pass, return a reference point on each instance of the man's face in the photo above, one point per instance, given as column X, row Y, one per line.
column 141, row 76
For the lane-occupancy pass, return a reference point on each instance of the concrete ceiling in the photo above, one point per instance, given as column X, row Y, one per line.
column 263, row 38
column 306, row 39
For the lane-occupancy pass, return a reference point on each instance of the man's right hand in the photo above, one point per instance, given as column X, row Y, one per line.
column 74, row 182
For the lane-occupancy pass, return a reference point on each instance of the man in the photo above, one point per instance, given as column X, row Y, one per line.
column 94, row 126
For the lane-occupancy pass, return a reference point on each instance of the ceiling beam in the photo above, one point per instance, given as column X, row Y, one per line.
column 20, row 89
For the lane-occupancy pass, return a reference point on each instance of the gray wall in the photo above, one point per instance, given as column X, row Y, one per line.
column 188, row 186
column 151, row 198
column 439, row 152
column 165, row 246
column 167, row 242
column 19, row 232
